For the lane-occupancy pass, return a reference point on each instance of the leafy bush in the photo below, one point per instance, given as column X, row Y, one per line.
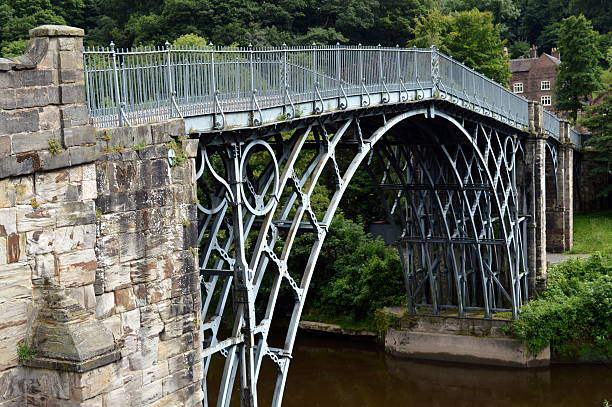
column 14, row 48
column 355, row 274
column 574, row 310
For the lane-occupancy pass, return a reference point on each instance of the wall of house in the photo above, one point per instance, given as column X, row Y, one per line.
column 542, row 69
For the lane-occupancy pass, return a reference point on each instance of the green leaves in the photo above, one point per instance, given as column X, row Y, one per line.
column 579, row 73
column 597, row 120
column 468, row 36
column 574, row 311
column 356, row 274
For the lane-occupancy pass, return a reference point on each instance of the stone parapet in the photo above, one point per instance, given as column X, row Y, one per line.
column 44, row 123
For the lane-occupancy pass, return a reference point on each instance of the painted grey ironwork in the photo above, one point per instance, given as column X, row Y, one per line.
column 552, row 149
column 551, row 124
column 575, row 137
column 458, row 206
column 457, row 203
column 140, row 85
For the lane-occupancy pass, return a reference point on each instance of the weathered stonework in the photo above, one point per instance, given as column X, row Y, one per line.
column 559, row 195
column 535, row 178
column 98, row 280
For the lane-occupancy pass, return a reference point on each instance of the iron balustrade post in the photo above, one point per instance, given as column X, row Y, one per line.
column 381, row 74
column 314, row 78
column 213, row 81
column 361, row 77
column 116, row 85
column 169, row 78
column 124, row 83
column 285, row 77
column 339, row 74
column 435, row 68
column 252, row 80
column 399, row 68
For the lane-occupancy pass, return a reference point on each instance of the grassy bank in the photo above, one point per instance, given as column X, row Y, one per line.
column 345, row 322
column 592, row 233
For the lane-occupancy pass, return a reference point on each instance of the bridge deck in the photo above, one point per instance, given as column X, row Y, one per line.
column 220, row 88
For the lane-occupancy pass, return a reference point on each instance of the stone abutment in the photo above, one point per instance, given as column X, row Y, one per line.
column 99, row 286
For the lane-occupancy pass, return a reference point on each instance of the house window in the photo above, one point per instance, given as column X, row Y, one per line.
column 546, row 100
column 518, row 87
column 545, row 85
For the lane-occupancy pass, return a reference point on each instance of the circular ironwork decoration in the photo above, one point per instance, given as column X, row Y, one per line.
column 254, row 200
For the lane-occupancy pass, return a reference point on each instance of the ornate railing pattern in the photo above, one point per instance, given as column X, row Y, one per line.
column 146, row 85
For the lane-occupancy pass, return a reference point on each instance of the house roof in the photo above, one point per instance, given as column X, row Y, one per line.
column 525, row 64
column 521, row 64
column 555, row 60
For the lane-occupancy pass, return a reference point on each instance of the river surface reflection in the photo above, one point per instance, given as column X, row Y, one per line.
column 327, row 371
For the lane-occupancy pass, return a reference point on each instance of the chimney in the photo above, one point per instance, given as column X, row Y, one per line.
column 555, row 53
column 533, row 52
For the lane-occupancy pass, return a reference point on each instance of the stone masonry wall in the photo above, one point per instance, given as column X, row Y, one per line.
column 147, row 284
column 98, row 279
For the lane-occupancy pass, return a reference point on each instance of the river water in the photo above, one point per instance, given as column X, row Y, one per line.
column 329, row 371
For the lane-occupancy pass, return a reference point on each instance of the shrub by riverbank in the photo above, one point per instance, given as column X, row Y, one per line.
column 574, row 313
column 356, row 275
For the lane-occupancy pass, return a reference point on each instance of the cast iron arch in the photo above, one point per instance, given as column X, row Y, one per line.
column 240, row 204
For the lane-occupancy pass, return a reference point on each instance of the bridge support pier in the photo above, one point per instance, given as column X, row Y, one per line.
column 559, row 211
column 535, row 178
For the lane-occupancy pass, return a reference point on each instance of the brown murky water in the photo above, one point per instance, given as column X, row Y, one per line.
column 328, row 372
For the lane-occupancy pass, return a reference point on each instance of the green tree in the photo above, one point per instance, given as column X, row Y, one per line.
column 468, row 36
column 579, row 73
column 17, row 17
column 574, row 313
column 190, row 41
column 597, row 119
column 519, row 49
column 505, row 12
column 597, row 11
column 537, row 14
column 549, row 37
column 355, row 275
column 394, row 21
column 14, row 48
column 321, row 36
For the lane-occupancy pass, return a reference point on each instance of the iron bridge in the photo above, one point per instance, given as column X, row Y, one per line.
column 448, row 148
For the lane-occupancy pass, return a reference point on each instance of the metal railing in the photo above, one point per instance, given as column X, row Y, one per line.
column 551, row 124
column 575, row 137
column 127, row 87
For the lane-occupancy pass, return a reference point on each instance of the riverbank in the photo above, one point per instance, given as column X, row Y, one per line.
column 446, row 338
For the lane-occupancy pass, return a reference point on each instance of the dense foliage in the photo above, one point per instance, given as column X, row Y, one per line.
column 579, row 73
column 355, row 274
column 597, row 118
column 469, row 36
column 574, row 312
